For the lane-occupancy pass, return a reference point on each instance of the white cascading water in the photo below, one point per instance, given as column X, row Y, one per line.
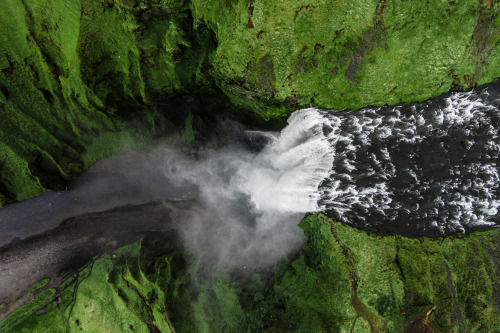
column 421, row 169
column 254, row 201
column 428, row 168
column 285, row 176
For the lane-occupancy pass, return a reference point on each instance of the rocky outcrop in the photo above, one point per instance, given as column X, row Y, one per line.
column 71, row 72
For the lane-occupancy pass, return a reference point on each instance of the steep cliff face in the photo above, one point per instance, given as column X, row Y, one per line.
column 65, row 68
column 343, row 280
column 69, row 69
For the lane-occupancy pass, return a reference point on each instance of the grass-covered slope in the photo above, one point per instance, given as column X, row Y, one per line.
column 66, row 66
column 70, row 69
column 349, row 54
column 344, row 280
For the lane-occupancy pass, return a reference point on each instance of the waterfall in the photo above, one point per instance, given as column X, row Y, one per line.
column 429, row 168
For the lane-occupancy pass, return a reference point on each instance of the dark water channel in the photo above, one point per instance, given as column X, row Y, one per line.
column 423, row 169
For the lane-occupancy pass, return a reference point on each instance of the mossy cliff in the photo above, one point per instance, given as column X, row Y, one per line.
column 72, row 72
column 343, row 280
column 82, row 79
column 65, row 68
column 349, row 54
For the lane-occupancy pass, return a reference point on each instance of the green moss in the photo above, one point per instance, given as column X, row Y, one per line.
column 98, row 307
column 27, row 315
column 13, row 32
column 107, row 144
column 15, row 175
column 454, row 274
column 68, row 66
column 368, row 52
column 136, row 52
column 44, row 126
column 39, row 285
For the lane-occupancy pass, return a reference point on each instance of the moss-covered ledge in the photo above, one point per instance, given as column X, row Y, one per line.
column 344, row 279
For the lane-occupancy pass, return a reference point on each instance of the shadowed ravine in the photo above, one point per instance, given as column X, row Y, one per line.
column 428, row 169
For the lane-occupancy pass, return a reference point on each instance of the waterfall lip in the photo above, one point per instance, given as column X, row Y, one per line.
column 286, row 174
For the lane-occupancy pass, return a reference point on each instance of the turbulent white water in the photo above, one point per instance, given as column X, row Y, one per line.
column 252, row 202
column 423, row 169
column 428, row 168
column 285, row 176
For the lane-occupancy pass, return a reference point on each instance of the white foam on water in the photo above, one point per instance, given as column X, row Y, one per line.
column 377, row 150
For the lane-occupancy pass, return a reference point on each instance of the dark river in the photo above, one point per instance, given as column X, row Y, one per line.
column 422, row 169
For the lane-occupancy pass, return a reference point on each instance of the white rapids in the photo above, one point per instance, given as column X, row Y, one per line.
column 422, row 169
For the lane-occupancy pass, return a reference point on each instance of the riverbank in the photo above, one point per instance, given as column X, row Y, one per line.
column 344, row 279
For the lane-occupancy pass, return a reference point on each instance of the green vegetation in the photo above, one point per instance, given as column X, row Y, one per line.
column 72, row 72
column 349, row 54
column 81, row 80
column 65, row 68
column 343, row 280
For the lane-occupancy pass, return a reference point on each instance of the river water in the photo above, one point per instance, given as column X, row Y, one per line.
column 430, row 168
column 422, row 169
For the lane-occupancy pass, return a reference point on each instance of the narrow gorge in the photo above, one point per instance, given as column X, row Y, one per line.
column 249, row 166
